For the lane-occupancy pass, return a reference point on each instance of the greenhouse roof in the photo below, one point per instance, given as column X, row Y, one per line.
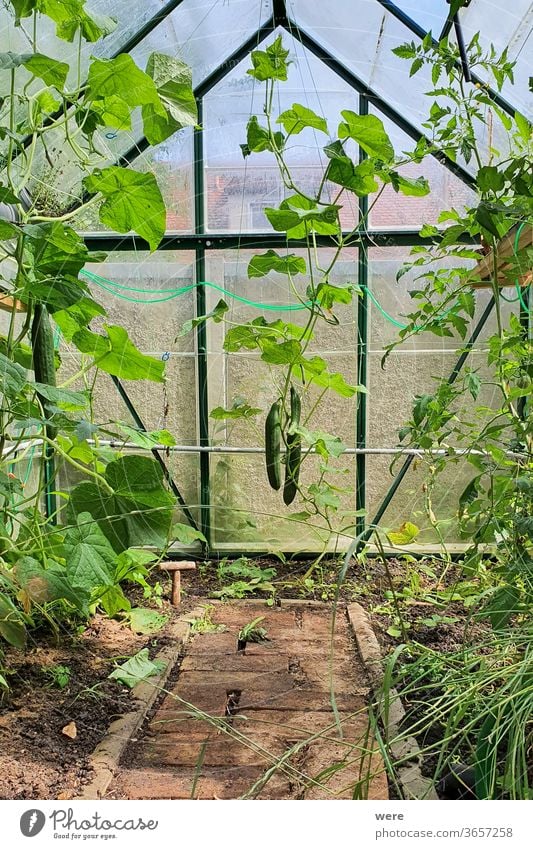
column 336, row 48
column 211, row 35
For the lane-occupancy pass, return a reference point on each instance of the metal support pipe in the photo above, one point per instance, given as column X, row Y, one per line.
column 462, row 49
column 362, row 356
column 201, row 331
column 407, row 462
column 419, row 453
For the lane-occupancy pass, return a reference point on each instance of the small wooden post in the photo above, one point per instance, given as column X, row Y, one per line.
column 176, row 568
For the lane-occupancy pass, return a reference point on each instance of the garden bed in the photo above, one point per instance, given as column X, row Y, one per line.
column 63, row 684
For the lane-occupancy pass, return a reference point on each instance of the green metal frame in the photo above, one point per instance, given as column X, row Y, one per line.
column 201, row 331
column 200, row 242
column 362, row 356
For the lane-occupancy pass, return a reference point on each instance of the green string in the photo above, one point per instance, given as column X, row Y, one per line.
column 518, row 287
column 170, row 294
column 112, row 287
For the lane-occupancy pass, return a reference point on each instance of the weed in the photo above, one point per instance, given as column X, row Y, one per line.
column 251, row 633
column 59, row 676
column 204, row 623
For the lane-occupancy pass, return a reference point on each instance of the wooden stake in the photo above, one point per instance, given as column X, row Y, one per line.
column 176, row 567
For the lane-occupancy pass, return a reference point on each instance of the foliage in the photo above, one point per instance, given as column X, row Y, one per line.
column 204, row 623
column 66, row 564
column 142, row 620
column 476, row 703
column 137, row 669
column 250, row 579
column 252, row 633
column 495, row 506
column 285, row 346
column 59, row 675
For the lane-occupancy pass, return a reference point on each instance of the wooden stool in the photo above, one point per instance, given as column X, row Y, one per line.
column 176, row 567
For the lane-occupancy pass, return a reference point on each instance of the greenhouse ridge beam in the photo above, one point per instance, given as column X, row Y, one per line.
column 279, row 13
column 421, row 33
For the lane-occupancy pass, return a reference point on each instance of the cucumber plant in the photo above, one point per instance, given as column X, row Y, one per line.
column 495, row 507
column 54, row 112
column 303, row 381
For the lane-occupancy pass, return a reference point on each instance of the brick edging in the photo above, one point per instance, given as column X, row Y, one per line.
column 410, row 778
column 105, row 758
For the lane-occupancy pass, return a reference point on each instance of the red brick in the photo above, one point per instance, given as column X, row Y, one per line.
column 236, row 662
column 223, row 783
column 171, row 750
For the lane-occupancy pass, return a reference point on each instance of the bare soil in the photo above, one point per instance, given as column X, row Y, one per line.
column 37, row 760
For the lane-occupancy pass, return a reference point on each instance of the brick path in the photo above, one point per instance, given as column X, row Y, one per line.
column 273, row 698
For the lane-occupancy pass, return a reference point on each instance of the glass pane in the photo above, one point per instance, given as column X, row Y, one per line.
column 18, row 39
column 243, row 375
column 374, row 32
column 408, row 504
column 506, row 25
column 153, row 327
column 171, row 162
column 394, row 211
column 239, row 188
column 413, row 369
column 204, row 33
column 430, row 14
column 184, row 469
column 395, row 302
column 56, row 177
column 248, row 514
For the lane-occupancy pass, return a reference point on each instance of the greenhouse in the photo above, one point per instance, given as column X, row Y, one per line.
column 266, row 369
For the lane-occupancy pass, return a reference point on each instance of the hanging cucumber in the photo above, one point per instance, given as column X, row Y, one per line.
column 293, row 457
column 273, row 445
column 42, row 338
